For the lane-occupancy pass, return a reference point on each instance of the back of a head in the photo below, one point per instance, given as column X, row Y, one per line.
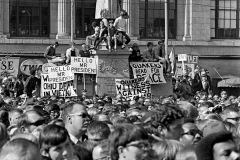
column 101, row 150
column 3, row 134
column 99, row 129
column 167, row 149
column 204, row 149
column 124, row 134
column 188, row 153
column 20, row 149
column 52, row 135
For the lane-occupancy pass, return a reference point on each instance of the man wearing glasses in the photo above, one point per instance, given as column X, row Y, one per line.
column 76, row 121
column 29, row 120
column 191, row 134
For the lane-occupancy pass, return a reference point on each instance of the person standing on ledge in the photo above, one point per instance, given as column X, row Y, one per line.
column 120, row 24
column 72, row 52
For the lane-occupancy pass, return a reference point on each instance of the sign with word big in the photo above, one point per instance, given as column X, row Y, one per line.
column 154, row 71
column 49, row 88
column 83, row 65
column 129, row 88
column 59, row 74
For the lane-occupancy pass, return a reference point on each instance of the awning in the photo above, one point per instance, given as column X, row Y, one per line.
column 231, row 82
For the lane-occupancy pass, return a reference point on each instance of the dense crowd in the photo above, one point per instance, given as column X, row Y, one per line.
column 187, row 125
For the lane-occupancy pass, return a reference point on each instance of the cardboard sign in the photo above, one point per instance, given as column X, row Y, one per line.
column 188, row 67
column 9, row 66
column 192, row 59
column 83, row 65
column 129, row 88
column 66, row 89
column 182, row 57
column 59, row 74
column 154, row 71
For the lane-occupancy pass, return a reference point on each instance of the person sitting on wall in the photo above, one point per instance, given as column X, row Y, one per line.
column 50, row 54
column 91, row 38
column 84, row 52
column 120, row 24
column 72, row 52
column 160, row 53
column 102, row 35
column 149, row 54
column 112, row 40
column 136, row 55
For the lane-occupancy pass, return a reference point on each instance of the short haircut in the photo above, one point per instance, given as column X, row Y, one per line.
column 52, row 107
column 53, row 135
column 104, row 145
column 149, row 44
column 124, row 134
column 72, row 43
column 99, row 128
column 23, row 119
column 66, row 111
column 56, row 43
column 18, row 149
column 16, row 110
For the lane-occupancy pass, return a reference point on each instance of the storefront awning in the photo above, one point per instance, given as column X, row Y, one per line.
column 231, row 82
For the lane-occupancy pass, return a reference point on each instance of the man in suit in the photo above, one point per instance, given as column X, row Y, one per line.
column 205, row 83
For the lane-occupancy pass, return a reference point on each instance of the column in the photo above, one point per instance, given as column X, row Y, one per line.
column 64, row 19
column 1, row 18
column 187, row 36
column 132, row 7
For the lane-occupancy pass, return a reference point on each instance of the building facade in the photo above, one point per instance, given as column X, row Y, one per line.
column 208, row 29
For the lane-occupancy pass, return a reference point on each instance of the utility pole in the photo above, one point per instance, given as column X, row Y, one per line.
column 166, row 29
column 72, row 19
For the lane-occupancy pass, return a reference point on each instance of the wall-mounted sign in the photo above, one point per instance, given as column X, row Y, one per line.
column 30, row 64
column 9, row 66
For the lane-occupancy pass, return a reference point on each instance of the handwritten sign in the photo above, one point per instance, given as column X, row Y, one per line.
column 83, row 65
column 154, row 71
column 59, row 74
column 9, row 66
column 192, row 59
column 182, row 57
column 66, row 89
column 129, row 88
column 188, row 68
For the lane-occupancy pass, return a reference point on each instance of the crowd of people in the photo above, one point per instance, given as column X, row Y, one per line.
column 188, row 125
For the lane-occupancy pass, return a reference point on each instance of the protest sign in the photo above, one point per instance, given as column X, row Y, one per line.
column 66, row 89
column 182, row 57
column 83, row 65
column 189, row 67
column 59, row 74
column 129, row 88
column 154, row 71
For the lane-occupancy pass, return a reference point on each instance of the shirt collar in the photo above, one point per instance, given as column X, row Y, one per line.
column 74, row 139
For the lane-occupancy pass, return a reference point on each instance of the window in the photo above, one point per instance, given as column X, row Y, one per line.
column 224, row 19
column 29, row 18
column 85, row 15
column 152, row 18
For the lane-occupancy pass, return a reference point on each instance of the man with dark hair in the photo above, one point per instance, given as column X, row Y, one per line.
column 55, row 143
column 84, row 52
column 149, row 54
column 217, row 146
column 98, row 131
column 76, row 119
column 50, row 54
column 168, row 119
column 31, row 83
column 127, row 141
column 19, row 149
column 160, row 54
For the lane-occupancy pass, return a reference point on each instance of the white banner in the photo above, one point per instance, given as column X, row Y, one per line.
column 129, row 88
column 9, row 65
column 83, row 65
column 59, row 74
column 154, row 71
column 66, row 89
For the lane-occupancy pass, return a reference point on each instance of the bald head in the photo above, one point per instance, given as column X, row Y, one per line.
column 20, row 149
